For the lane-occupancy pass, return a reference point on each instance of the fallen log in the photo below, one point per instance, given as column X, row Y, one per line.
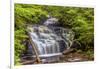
column 35, row 49
column 67, row 51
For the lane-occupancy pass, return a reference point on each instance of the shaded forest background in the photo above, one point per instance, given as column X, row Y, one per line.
column 80, row 20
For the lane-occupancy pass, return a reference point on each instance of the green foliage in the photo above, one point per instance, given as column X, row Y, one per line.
column 81, row 21
column 19, row 47
column 28, row 15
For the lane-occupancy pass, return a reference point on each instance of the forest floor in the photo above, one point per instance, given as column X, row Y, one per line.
column 76, row 57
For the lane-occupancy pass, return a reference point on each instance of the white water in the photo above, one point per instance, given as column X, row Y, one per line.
column 48, row 41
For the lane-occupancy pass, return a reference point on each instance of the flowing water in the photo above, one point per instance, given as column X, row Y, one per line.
column 49, row 40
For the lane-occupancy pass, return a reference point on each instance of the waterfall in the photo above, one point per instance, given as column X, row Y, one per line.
column 49, row 40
